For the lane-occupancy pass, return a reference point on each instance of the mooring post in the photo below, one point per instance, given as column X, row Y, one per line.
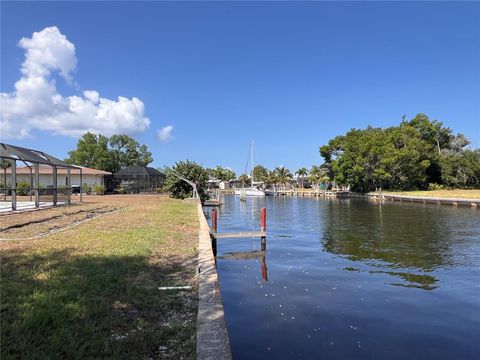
column 263, row 227
column 214, row 220
column 264, row 269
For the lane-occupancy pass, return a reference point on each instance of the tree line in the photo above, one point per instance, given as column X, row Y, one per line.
column 109, row 153
column 417, row 154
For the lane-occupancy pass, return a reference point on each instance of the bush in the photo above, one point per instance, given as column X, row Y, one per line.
column 86, row 189
column 192, row 171
column 99, row 189
column 434, row 186
column 23, row 188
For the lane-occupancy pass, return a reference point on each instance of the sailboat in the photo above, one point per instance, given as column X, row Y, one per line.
column 252, row 190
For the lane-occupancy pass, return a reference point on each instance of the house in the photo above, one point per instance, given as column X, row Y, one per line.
column 89, row 176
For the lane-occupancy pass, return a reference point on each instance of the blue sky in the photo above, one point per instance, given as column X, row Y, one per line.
column 289, row 75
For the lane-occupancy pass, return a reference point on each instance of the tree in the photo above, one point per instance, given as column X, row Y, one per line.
column 109, row 154
column 221, row 173
column 192, row 171
column 271, row 178
column 283, row 175
column 461, row 169
column 126, row 151
column 318, row 175
column 260, row 173
column 244, row 180
column 408, row 156
column 301, row 173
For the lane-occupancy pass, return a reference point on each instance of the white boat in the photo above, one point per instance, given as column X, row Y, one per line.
column 252, row 190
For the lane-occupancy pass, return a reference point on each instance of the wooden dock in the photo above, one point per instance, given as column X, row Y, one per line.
column 238, row 235
column 212, row 202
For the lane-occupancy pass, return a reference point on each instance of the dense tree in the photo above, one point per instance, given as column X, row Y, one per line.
column 245, row 180
column 110, row 154
column 192, row 171
column 271, row 178
column 221, row 173
column 408, row 156
column 461, row 169
column 260, row 173
column 126, row 151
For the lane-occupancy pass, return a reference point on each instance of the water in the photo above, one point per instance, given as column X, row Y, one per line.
column 351, row 279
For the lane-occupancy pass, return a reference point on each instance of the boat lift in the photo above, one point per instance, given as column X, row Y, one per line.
column 191, row 183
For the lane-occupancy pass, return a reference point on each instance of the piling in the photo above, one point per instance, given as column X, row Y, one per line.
column 263, row 227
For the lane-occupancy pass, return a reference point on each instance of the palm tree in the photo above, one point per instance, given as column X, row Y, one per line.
column 318, row 175
column 283, row 174
column 271, row 178
column 302, row 172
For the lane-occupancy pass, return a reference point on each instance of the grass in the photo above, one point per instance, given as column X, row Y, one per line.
column 91, row 291
column 464, row 194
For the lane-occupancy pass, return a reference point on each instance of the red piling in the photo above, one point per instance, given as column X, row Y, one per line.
column 263, row 220
column 214, row 220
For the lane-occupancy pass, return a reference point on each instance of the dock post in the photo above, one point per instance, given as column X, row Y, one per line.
column 263, row 227
column 214, row 220
column 214, row 234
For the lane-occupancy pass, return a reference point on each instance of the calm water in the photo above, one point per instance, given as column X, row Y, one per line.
column 351, row 279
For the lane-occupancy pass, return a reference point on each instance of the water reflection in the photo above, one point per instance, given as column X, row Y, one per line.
column 390, row 237
column 247, row 255
column 351, row 279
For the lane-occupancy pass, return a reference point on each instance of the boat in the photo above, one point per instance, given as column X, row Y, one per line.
column 252, row 190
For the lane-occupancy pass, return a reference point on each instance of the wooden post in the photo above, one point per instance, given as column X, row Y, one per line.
column 214, row 220
column 263, row 219
column 263, row 227
column 264, row 269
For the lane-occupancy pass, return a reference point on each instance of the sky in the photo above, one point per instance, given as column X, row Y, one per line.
column 201, row 80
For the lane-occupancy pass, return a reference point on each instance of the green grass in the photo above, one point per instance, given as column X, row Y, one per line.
column 464, row 194
column 92, row 291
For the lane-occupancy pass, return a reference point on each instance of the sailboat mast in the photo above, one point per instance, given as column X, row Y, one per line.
column 253, row 165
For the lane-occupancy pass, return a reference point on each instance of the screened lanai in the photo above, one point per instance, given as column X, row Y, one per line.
column 29, row 193
column 136, row 179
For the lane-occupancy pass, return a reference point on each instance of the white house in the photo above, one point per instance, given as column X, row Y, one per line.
column 89, row 176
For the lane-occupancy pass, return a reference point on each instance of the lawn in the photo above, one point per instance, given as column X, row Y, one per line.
column 84, row 281
column 464, row 194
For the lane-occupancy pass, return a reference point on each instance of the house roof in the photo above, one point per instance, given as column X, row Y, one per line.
column 138, row 171
column 47, row 170
column 18, row 153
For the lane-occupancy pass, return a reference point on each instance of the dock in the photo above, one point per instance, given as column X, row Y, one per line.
column 238, row 235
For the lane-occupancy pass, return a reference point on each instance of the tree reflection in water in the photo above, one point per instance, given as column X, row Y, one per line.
column 410, row 243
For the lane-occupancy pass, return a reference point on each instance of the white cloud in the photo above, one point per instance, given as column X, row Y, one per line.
column 36, row 104
column 165, row 134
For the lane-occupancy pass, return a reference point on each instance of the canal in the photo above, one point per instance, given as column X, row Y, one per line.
column 351, row 279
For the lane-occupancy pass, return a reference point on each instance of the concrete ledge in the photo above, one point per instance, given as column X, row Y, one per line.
column 212, row 335
column 474, row 203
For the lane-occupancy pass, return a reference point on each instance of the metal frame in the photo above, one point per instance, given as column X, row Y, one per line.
column 29, row 157
column 139, row 178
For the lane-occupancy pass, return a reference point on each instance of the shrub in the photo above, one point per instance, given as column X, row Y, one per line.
column 86, row 189
column 434, row 186
column 99, row 189
column 23, row 188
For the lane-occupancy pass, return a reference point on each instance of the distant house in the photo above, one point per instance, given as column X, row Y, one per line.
column 89, row 176
column 135, row 179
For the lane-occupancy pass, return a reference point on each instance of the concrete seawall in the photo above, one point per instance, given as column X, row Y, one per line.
column 474, row 203
column 212, row 335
